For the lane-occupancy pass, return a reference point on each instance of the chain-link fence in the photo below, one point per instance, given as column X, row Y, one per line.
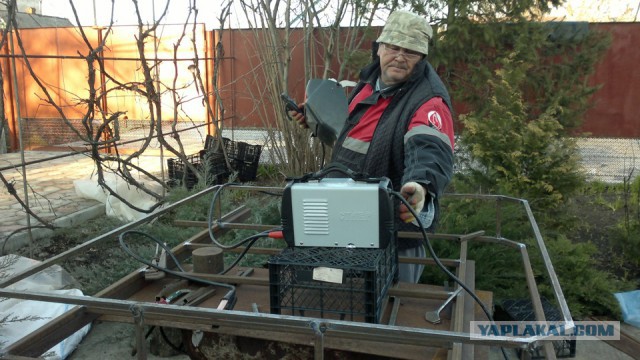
column 609, row 160
column 56, row 134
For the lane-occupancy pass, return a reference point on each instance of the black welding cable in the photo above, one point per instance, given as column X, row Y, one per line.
column 210, row 216
column 181, row 274
column 432, row 252
column 436, row 259
column 179, row 348
column 251, row 240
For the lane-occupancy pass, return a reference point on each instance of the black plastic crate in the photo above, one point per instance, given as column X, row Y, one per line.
column 214, row 167
column 247, row 171
column 211, row 165
column 248, row 152
column 243, row 157
column 522, row 310
column 211, row 144
column 247, row 161
column 176, row 171
column 367, row 275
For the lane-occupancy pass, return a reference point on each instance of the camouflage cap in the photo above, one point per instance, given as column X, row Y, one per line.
column 407, row 30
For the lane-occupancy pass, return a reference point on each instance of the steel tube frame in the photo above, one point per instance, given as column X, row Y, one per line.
column 557, row 290
column 195, row 318
column 86, row 245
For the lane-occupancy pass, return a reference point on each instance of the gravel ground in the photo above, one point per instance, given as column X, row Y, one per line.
column 109, row 340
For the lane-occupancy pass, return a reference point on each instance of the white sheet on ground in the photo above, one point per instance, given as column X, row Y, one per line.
column 90, row 189
column 53, row 280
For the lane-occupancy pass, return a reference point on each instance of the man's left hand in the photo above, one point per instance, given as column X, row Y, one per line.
column 415, row 195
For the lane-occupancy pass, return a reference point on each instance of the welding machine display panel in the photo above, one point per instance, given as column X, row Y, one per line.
column 338, row 212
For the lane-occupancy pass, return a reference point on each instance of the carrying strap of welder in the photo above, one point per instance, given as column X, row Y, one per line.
column 333, row 170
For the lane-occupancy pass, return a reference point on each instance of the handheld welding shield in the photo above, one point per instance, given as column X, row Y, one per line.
column 326, row 109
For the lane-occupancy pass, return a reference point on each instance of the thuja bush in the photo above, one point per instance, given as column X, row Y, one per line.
column 588, row 290
column 513, row 155
column 610, row 218
column 626, row 233
column 498, row 267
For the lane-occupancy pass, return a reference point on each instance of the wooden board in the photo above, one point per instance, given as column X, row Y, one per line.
column 629, row 342
column 251, row 297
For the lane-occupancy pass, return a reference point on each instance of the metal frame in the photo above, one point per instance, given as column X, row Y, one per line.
column 323, row 333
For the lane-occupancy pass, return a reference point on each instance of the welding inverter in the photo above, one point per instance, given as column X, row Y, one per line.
column 351, row 211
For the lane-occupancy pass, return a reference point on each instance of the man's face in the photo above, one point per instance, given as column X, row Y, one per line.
column 396, row 63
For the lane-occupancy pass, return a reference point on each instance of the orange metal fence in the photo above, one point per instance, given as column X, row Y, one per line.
column 616, row 109
column 57, row 60
column 54, row 57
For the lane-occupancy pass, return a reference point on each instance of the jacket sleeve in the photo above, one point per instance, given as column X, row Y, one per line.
column 428, row 148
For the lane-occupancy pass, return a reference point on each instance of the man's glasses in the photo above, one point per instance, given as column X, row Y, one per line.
column 397, row 50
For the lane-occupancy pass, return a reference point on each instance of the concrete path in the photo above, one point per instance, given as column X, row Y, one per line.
column 51, row 193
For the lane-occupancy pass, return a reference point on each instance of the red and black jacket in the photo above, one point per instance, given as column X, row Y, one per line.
column 404, row 133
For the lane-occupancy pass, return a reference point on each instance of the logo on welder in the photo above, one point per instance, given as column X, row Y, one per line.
column 435, row 119
column 355, row 215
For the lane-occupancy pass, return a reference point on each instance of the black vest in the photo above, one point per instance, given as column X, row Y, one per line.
column 385, row 156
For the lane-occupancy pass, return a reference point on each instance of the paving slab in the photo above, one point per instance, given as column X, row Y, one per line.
column 50, row 192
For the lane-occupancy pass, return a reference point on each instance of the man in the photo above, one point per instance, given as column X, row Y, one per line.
column 400, row 126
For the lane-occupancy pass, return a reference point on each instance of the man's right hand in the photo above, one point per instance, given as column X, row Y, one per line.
column 298, row 116
column 415, row 195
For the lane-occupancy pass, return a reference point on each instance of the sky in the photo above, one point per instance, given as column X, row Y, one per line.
column 600, row 11
column 574, row 10
column 125, row 13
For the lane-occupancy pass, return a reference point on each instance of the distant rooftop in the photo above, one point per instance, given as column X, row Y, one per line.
column 31, row 21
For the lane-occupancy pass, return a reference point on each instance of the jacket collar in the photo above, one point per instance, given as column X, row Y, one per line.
column 371, row 73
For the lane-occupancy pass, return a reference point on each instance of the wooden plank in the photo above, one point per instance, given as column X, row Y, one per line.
column 469, row 351
column 629, row 342
column 394, row 310
column 630, row 331
column 424, row 350
column 401, row 290
column 395, row 351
